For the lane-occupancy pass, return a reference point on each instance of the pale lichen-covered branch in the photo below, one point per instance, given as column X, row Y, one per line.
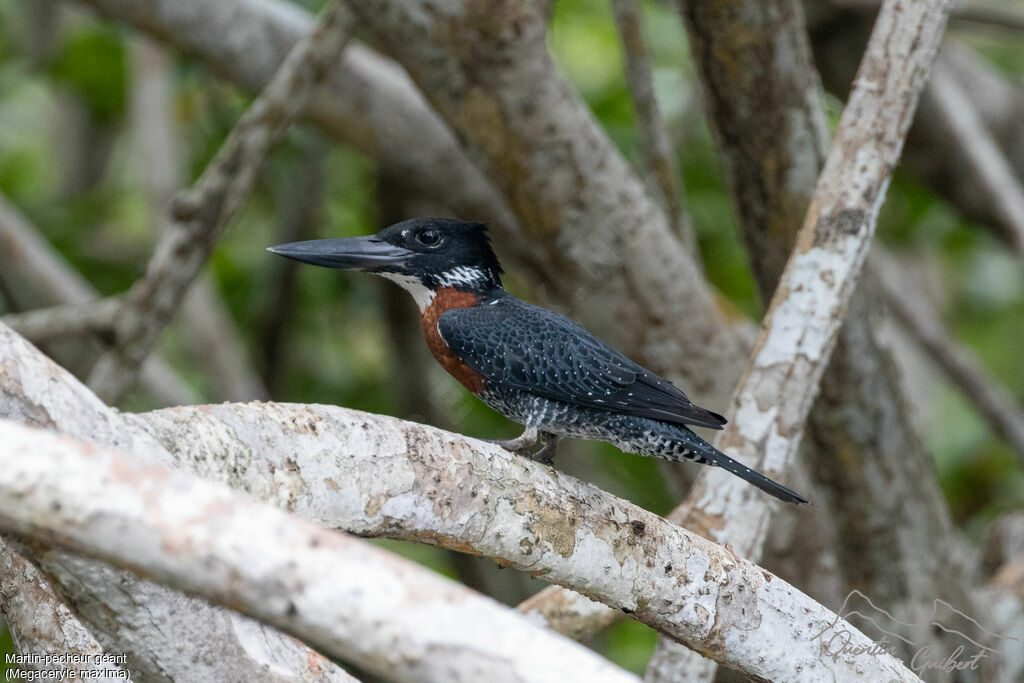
column 806, row 311
column 41, row 624
column 147, row 622
column 774, row 400
column 380, row 476
column 351, row 600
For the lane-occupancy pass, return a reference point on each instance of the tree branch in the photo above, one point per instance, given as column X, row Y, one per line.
column 385, row 477
column 806, row 311
column 127, row 615
column 366, row 101
column 201, row 214
column 659, row 155
column 985, row 161
column 909, row 304
column 208, row 540
column 217, row 346
column 40, row 276
column 41, row 624
column 73, row 319
column 799, row 330
column 765, row 107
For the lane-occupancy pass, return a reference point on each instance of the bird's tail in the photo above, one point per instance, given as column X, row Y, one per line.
column 706, row 454
column 772, row 488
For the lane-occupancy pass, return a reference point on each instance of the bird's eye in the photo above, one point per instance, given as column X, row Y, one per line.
column 428, row 237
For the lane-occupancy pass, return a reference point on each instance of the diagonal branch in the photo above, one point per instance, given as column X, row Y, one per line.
column 351, row 600
column 659, row 156
column 799, row 331
column 806, row 311
column 66, row 320
column 909, row 304
column 200, row 215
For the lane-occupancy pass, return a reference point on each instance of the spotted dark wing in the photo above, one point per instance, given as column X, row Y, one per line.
column 531, row 349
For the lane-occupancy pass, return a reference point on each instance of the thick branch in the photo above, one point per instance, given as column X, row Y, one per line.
column 41, row 624
column 776, row 395
column 765, row 107
column 380, row 476
column 932, row 153
column 806, row 312
column 125, row 614
column 354, row 601
column 201, row 214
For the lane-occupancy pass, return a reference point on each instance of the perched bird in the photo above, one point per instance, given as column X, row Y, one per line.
column 530, row 364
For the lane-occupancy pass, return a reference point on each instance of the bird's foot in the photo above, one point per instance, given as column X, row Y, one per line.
column 548, row 449
column 520, row 445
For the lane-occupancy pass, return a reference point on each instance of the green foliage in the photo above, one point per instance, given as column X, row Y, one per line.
column 91, row 63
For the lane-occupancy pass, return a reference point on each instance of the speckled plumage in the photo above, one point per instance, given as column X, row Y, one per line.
column 532, row 365
column 517, row 346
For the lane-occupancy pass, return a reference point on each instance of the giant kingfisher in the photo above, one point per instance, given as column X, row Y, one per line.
column 532, row 365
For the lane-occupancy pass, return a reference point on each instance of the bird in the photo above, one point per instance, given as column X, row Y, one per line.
column 534, row 366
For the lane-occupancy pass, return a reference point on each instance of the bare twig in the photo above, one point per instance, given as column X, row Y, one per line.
column 41, row 624
column 659, row 155
column 277, row 568
column 200, row 214
column 909, row 303
column 45, row 324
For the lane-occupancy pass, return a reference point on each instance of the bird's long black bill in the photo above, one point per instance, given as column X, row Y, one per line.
column 349, row 253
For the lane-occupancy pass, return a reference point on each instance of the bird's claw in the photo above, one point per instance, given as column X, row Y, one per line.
column 521, row 446
column 548, row 449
